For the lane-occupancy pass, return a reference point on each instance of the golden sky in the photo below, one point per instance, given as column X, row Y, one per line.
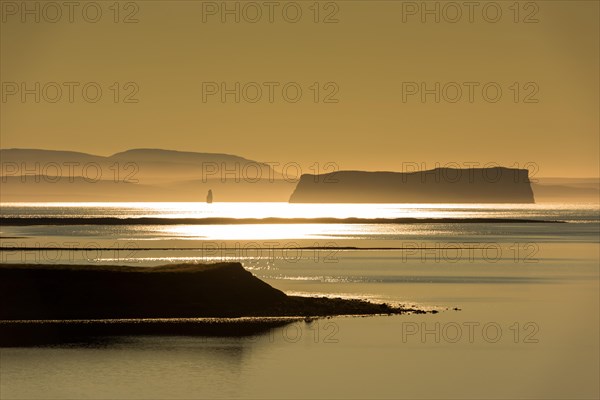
column 374, row 57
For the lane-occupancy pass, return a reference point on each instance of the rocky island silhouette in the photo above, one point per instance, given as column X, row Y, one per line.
column 440, row 185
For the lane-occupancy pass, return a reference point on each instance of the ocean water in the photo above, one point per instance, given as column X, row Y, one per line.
column 518, row 303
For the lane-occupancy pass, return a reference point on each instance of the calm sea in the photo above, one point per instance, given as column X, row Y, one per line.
column 527, row 295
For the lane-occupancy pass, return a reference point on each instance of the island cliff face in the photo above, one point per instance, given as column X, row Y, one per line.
column 440, row 185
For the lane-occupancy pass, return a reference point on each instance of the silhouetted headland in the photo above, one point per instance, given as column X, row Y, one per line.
column 224, row 298
column 440, row 185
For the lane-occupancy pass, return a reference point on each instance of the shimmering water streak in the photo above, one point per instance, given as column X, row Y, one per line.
column 573, row 212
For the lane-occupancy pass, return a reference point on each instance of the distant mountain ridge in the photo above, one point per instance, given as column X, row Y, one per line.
column 145, row 156
column 440, row 185
column 149, row 165
column 142, row 174
column 149, row 154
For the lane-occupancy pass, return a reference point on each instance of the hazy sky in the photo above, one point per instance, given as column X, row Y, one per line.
column 376, row 57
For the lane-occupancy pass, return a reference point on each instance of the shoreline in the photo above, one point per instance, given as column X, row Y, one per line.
column 48, row 303
column 21, row 333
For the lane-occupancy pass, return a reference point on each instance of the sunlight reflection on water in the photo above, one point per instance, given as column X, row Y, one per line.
column 287, row 210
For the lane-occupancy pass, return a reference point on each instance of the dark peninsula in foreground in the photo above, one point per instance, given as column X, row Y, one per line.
column 53, row 302
column 440, row 185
